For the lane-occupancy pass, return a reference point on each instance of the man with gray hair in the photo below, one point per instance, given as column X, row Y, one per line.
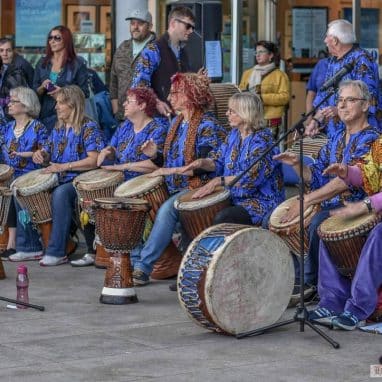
column 126, row 57
column 341, row 42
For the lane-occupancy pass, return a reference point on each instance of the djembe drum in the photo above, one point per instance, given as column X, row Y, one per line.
column 344, row 239
column 89, row 186
column 33, row 193
column 120, row 223
column 290, row 231
column 6, row 176
column 235, row 278
column 5, row 202
column 153, row 190
column 198, row 214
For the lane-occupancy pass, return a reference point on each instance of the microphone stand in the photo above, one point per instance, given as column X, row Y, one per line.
column 301, row 314
column 38, row 307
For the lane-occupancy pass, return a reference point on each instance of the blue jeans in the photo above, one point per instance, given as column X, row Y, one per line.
column 144, row 256
column 63, row 204
column 27, row 237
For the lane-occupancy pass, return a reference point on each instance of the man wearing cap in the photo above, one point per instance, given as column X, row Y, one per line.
column 161, row 59
column 126, row 58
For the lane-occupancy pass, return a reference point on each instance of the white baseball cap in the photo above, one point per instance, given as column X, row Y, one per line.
column 140, row 14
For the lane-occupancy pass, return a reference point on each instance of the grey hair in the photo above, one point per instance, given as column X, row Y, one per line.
column 249, row 107
column 343, row 30
column 358, row 85
column 29, row 99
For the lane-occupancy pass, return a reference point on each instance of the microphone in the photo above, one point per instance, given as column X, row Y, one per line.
column 337, row 77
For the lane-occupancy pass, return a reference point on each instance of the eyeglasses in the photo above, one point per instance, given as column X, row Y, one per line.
column 188, row 25
column 231, row 111
column 350, row 100
column 55, row 37
column 260, row 52
column 13, row 101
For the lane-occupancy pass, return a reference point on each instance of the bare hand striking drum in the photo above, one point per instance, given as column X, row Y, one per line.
column 235, row 278
column 120, row 223
column 153, row 190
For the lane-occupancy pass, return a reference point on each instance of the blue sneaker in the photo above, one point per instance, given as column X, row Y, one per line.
column 322, row 316
column 346, row 321
column 140, row 278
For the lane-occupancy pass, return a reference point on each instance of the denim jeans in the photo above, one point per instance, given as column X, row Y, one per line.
column 144, row 256
column 63, row 204
column 27, row 237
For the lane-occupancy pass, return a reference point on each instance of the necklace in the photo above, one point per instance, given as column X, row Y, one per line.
column 19, row 130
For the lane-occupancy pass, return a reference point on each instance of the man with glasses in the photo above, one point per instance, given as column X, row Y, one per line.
column 126, row 57
column 341, row 43
column 160, row 60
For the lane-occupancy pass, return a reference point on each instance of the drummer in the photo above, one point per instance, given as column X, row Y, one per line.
column 346, row 146
column 72, row 147
column 193, row 134
column 346, row 303
column 125, row 148
column 19, row 139
column 259, row 191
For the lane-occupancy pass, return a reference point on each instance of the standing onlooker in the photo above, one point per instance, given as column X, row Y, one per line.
column 160, row 60
column 126, row 58
column 269, row 83
column 59, row 67
column 341, row 42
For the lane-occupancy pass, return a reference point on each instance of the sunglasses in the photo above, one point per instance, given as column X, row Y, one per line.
column 188, row 25
column 55, row 38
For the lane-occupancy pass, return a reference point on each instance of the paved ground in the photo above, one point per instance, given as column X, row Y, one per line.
column 79, row 339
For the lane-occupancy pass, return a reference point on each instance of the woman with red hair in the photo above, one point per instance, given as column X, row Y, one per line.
column 193, row 134
column 59, row 67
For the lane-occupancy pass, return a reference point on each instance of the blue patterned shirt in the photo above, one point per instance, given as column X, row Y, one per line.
column 127, row 143
column 336, row 151
column 365, row 69
column 261, row 189
column 69, row 147
column 32, row 139
column 210, row 134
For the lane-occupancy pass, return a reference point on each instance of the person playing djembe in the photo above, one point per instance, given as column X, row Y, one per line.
column 72, row 147
column 193, row 134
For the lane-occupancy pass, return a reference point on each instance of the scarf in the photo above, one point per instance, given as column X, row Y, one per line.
column 257, row 74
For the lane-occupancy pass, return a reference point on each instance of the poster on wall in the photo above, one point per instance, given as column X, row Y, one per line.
column 34, row 19
column 308, row 29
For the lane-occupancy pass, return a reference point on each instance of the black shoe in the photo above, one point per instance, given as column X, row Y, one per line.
column 8, row 252
column 173, row 287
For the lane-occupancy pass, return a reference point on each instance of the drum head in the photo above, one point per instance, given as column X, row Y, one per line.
column 138, row 185
column 96, row 179
column 34, row 182
column 282, row 209
column 186, row 203
column 5, row 170
column 337, row 226
column 122, row 203
column 248, row 282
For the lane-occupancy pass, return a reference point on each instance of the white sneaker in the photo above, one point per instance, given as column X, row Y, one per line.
column 86, row 260
column 47, row 260
column 26, row 256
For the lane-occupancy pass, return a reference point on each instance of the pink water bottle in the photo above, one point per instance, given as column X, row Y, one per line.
column 22, row 284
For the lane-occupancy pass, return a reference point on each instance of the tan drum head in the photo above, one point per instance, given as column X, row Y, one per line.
column 336, row 225
column 5, row 171
column 138, row 185
column 96, row 179
column 186, row 203
column 34, row 182
column 248, row 281
column 282, row 209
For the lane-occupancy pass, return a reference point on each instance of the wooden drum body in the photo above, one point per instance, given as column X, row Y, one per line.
column 344, row 239
column 153, row 190
column 197, row 214
column 235, row 278
column 6, row 175
column 290, row 232
column 112, row 217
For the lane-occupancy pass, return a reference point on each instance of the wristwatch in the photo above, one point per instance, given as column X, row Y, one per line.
column 367, row 201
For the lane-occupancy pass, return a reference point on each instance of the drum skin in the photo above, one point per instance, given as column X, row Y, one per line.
column 235, row 278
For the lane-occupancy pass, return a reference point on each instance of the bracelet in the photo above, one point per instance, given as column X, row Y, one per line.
column 222, row 181
column 70, row 166
column 319, row 123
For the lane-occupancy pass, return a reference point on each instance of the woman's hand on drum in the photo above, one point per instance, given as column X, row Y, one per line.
column 107, row 151
column 150, row 148
column 350, row 210
column 163, row 171
column 116, row 167
column 312, row 129
column 55, row 167
column 292, row 212
column 192, row 166
column 287, row 157
column 337, row 169
column 39, row 156
column 207, row 189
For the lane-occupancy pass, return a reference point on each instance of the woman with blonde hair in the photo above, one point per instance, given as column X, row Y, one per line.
column 72, row 147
